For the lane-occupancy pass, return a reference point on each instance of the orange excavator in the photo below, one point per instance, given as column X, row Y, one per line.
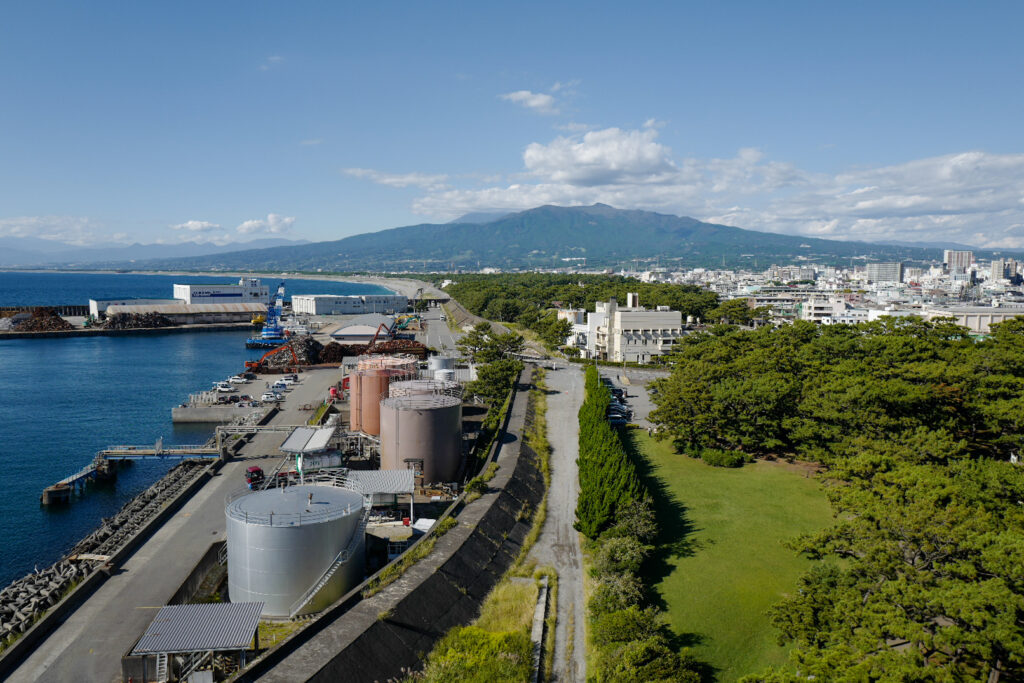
column 255, row 364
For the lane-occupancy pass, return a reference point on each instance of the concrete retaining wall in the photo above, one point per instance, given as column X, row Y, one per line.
column 191, row 585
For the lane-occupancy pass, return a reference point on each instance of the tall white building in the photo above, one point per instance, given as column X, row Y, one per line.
column 634, row 334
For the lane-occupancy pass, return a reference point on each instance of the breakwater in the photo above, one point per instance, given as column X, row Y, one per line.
column 27, row 598
column 131, row 332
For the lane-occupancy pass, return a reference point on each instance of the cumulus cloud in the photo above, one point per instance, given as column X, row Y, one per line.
column 196, row 226
column 423, row 180
column 537, row 101
column 274, row 224
column 972, row 197
column 601, row 157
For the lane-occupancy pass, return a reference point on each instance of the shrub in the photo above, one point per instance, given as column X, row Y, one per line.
column 717, row 458
column 649, row 660
column 619, row 555
column 616, row 592
column 637, row 520
column 624, row 625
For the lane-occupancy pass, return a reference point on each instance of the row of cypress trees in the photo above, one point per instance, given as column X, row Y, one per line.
column 608, row 479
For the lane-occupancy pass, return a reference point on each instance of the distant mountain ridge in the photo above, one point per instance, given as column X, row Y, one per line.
column 546, row 237
column 33, row 251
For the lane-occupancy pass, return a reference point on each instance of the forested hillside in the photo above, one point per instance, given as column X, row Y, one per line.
column 922, row 576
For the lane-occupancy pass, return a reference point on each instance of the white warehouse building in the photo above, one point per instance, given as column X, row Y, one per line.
column 332, row 304
column 249, row 290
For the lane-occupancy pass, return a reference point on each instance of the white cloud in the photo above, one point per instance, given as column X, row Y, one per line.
column 77, row 230
column 601, row 157
column 537, row 101
column 274, row 224
column 972, row 197
column 196, row 226
column 424, row 180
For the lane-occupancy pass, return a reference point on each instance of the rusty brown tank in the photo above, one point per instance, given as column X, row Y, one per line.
column 369, row 384
column 423, row 433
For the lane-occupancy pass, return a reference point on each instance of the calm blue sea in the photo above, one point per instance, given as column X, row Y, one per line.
column 61, row 400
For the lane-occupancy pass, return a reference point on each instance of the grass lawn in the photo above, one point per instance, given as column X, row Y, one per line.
column 720, row 563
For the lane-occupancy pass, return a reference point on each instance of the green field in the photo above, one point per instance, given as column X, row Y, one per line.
column 721, row 562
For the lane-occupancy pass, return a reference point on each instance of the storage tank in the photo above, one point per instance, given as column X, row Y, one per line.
column 370, row 384
column 355, row 406
column 423, row 433
column 425, row 387
column 444, row 375
column 440, row 363
column 280, row 543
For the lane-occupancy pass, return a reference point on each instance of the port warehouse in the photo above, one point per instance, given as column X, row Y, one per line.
column 193, row 314
column 330, row 304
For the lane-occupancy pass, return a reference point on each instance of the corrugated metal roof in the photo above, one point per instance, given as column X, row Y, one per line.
column 383, row 481
column 183, row 309
column 199, row 628
column 307, row 440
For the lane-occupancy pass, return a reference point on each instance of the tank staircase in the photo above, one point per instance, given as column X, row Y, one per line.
column 339, row 560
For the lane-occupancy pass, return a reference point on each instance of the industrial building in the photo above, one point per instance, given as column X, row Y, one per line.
column 634, row 334
column 98, row 307
column 331, row 304
column 363, row 329
column 248, row 290
column 194, row 314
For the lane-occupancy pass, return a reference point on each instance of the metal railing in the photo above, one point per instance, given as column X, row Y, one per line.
column 285, row 519
column 340, row 559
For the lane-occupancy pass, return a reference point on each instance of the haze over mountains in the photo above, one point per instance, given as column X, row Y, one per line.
column 33, row 251
column 547, row 236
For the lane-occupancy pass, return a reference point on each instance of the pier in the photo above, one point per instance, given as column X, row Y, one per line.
column 104, row 466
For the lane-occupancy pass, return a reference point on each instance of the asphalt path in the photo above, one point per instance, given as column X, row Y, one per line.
column 559, row 543
column 89, row 644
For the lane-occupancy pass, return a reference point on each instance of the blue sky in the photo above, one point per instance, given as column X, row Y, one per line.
column 233, row 120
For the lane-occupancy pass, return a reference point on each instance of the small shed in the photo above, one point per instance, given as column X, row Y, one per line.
column 183, row 639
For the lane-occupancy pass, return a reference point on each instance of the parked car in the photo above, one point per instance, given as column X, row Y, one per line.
column 254, row 476
column 225, row 387
column 271, row 396
column 237, row 379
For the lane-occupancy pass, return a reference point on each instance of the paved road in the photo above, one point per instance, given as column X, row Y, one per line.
column 89, row 644
column 438, row 335
column 559, row 544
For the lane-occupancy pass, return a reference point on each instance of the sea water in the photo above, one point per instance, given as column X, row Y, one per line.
column 63, row 399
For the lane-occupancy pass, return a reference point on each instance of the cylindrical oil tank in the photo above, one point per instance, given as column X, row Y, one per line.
column 280, row 543
column 397, row 362
column 444, row 375
column 440, row 363
column 425, row 387
column 374, row 387
column 355, row 406
column 423, row 433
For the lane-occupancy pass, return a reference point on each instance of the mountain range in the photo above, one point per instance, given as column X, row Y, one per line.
column 547, row 237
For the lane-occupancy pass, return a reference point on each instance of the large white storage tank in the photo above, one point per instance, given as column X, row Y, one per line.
column 423, row 433
column 281, row 542
column 440, row 363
